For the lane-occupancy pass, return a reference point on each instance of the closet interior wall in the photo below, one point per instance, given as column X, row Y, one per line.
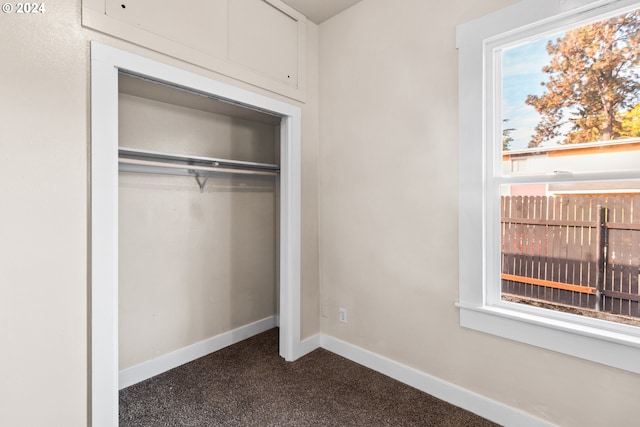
column 193, row 265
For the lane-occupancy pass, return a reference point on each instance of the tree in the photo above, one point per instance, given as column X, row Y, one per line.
column 592, row 77
column 630, row 123
column 507, row 139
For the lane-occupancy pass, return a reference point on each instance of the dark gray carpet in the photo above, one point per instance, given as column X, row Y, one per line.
column 248, row 384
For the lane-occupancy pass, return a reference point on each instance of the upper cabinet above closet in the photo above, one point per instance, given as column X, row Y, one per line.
column 261, row 42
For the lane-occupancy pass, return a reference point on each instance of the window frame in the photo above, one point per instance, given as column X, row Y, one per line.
column 480, row 304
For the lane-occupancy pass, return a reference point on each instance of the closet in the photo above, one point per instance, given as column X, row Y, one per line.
column 198, row 218
column 193, row 264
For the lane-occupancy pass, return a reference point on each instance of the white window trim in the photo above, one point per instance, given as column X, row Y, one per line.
column 480, row 305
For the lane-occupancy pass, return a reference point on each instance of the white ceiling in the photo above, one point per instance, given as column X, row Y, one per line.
column 318, row 11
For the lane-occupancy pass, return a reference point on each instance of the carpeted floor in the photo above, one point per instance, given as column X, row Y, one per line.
column 248, row 384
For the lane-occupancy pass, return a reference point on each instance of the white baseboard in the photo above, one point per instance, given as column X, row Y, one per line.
column 146, row 370
column 458, row 396
column 307, row 345
column 473, row 402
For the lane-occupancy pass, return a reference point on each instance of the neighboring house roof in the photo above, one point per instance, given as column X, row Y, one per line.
column 574, row 158
column 631, row 144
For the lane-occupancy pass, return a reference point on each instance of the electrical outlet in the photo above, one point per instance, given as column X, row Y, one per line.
column 342, row 315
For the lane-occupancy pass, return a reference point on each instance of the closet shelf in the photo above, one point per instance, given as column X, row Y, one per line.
column 144, row 161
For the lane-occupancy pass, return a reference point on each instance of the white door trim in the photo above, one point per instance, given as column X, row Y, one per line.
column 106, row 63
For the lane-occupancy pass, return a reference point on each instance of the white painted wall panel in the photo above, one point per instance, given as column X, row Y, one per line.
column 199, row 25
column 264, row 38
column 260, row 42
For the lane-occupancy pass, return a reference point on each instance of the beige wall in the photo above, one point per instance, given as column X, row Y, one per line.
column 44, row 140
column 43, row 218
column 388, row 216
column 310, row 285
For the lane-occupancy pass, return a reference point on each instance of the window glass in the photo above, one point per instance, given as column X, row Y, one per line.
column 570, row 101
column 570, row 106
column 574, row 251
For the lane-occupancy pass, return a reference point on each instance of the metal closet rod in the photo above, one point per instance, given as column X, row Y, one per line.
column 144, row 161
column 168, row 165
column 157, row 159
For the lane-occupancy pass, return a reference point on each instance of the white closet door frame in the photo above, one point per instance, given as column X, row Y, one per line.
column 106, row 63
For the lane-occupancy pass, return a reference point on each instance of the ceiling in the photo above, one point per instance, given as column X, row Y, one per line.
column 318, row 11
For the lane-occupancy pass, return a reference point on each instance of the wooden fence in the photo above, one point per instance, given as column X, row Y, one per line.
column 582, row 251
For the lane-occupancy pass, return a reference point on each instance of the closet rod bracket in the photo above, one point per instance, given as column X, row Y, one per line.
column 202, row 183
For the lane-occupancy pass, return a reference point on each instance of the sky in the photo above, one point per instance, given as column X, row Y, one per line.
column 522, row 76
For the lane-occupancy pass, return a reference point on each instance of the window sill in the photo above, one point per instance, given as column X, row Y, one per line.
column 587, row 340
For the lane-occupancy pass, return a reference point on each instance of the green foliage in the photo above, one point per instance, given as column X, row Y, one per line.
column 592, row 77
column 630, row 123
column 507, row 139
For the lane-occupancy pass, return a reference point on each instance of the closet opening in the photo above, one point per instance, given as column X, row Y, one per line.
column 195, row 213
column 198, row 193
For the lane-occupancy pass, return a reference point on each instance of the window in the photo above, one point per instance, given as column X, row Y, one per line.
column 549, row 170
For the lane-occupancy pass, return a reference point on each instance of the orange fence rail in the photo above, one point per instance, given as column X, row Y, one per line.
column 549, row 284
